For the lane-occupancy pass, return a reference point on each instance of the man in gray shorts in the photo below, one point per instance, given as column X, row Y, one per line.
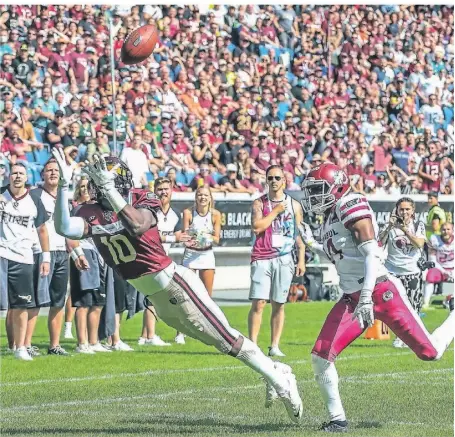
column 274, row 220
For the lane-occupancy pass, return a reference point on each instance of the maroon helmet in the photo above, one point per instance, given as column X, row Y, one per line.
column 323, row 186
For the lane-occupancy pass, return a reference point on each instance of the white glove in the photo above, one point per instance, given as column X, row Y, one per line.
column 103, row 178
column 66, row 172
column 364, row 310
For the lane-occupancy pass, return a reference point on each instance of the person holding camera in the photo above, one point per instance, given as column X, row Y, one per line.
column 404, row 239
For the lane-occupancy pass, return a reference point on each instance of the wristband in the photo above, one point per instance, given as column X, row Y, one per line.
column 46, row 257
column 76, row 253
column 170, row 239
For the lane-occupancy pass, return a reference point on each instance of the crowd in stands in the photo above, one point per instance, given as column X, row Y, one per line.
column 230, row 90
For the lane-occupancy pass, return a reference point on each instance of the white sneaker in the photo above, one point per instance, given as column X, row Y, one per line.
column 290, row 395
column 84, row 349
column 156, row 341
column 399, row 344
column 98, row 347
column 274, row 351
column 10, row 351
column 141, row 341
column 122, row 347
column 180, row 338
column 68, row 335
column 22, row 354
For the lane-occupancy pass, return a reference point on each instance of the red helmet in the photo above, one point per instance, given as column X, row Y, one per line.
column 323, row 186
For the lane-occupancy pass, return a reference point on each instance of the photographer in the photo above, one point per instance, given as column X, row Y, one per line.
column 405, row 239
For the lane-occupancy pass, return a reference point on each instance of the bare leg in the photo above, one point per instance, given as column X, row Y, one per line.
column 116, row 334
column 19, row 318
column 9, row 329
column 54, row 324
column 69, row 310
column 255, row 319
column 31, row 323
column 81, row 325
column 93, row 322
column 276, row 322
column 207, row 277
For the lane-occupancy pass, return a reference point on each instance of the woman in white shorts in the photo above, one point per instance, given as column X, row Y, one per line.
column 203, row 223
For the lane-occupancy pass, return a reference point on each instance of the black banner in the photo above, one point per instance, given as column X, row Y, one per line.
column 236, row 217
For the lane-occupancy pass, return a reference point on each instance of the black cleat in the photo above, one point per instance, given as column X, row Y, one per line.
column 57, row 350
column 451, row 304
column 335, row 426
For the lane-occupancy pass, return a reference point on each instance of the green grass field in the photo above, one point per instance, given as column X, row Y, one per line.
column 193, row 390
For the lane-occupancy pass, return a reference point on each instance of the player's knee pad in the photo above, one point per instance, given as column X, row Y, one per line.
column 324, row 370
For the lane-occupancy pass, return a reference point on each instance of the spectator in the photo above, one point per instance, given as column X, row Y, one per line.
column 137, row 161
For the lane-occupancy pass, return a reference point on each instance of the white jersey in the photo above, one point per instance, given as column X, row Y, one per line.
column 339, row 244
column 19, row 218
column 402, row 256
column 56, row 241
column 444, row 251
column 168, row 224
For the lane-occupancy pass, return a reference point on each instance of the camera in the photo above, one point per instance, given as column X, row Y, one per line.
column 400, row 220
column 423, row 264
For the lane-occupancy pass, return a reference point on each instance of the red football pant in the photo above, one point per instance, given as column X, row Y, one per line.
column 391, row 306
column 435, row 276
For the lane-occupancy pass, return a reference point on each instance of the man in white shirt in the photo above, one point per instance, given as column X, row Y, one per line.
column 137, row 161
column 429, row 84
column 432, row 113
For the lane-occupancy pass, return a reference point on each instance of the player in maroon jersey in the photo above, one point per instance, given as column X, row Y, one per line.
column 123, row 226
column 431, row 171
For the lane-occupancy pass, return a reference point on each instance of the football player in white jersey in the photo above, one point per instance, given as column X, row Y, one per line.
column 441, row 254
column 350, row 240
column 170, row 229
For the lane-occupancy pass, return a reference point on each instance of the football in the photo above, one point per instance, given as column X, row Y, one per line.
column 139, row 44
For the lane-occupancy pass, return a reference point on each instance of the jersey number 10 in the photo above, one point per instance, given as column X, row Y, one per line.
column 120, row 248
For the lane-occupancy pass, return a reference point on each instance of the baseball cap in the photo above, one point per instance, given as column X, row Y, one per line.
column 90, row 50
column 24, row 47
column 288, row 114
column 154, row 114
column 166, row 116
column 231, row 167
column 433, row 194
column 59, row 113
column 263, row 134
column 234, row 135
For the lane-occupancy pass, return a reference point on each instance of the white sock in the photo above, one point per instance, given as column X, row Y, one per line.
column 68, row 325
column 327, row 377
column 427, row 293
column 443, row 336
column 253, row 357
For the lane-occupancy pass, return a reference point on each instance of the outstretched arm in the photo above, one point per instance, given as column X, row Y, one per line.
column 308, row 239
column 75, row 228
column 138, row 220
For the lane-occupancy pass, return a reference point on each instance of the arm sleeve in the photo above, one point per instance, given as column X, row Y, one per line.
column 370, row 250
column 69, row 227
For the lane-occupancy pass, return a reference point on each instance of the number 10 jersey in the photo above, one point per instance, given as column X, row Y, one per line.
column 340, row 246
column 132, row 257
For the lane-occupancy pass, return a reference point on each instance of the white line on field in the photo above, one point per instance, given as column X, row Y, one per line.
column 176, row 371
column 179, row 394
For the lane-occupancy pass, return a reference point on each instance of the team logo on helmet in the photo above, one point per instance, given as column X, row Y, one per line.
column 388, row 295
column 339, row 177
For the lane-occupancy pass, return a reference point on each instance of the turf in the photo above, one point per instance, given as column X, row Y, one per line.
column 192, row 390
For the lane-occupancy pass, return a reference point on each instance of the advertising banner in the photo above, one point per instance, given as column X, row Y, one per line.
column 236, row 217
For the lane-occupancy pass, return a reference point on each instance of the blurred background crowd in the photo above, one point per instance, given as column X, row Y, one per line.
column 230, row 90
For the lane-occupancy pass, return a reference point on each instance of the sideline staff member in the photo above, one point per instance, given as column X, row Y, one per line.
column 274, row 220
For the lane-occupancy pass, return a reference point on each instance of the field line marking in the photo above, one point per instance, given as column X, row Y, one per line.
column 103, row 401
column 176, row 371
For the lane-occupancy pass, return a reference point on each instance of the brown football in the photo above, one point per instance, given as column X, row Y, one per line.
column 139, row 44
